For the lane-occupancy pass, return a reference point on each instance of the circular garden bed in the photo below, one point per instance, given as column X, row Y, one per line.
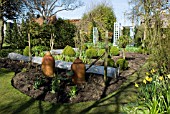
column 61, row 89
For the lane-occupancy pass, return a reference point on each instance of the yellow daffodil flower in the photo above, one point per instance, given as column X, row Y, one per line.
column 149, row 79
column 144, row 81
column 147, row 73
column 152, row 71
column 168, row 76
column 161, row 78
column 136, row 85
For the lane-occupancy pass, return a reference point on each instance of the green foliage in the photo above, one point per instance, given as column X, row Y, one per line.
column 5, row 52
column 124, row 40
column 26, row 51
column 133, row 49
column 84, row 47
column 159, row 48
column 64, row 33
column 59, row 57
column 69, row 51
column 101, row 16
column 55, row 85
column 114, row 51
column 101, row 52
column 101, row 45
column 91, row 53
column 8, row 35
column 13, row 37
column 73, row 91
column 42, row 54
column 139, row 32
column 38, row 82
column 24, row 32
column 154, row 92
column 126, row 31
column 24, row 70
column 91, row 34
column 40, row 35
column 122, row 64
column 110, row 62
column 36, row 50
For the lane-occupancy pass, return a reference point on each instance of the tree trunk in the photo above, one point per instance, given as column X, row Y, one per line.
column 105, row 58
column 52, row 41
column 124, row 56
column 1, row 26
column 29, row 43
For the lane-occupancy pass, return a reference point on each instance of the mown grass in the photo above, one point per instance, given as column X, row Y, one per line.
column 13, row 101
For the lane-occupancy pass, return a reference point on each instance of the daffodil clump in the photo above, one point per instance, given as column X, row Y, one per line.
column 154, row 91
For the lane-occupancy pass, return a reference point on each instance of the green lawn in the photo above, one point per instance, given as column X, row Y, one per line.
column 13, row 101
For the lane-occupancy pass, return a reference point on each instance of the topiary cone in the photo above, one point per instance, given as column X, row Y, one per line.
column 48, row 65
column 78, row 67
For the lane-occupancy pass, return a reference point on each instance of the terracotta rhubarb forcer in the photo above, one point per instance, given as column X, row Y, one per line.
column 48, row 65
column 78, row 67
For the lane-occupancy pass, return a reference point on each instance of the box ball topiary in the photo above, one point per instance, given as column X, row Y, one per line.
column 101, row 51
column 110, row 62
column 26, row 51
column 69, row 51
column 122, row 63
column 114, row 51
column 91, row 53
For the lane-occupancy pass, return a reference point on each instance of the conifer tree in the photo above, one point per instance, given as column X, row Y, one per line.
column 8, row 34
column 15, row 38
column 23, row 33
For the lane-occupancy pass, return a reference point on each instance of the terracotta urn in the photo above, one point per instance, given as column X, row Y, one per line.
column 78, row 67
column 48, row 65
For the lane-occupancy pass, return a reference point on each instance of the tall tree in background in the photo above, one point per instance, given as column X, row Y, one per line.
column 47, row 8
column 101, row 16
column 9, row 9
column 13, row 37
column 154, row 15
column 147, row 12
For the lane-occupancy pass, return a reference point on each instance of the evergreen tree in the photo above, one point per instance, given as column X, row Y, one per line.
column 15, row 36
column 23, row 33
column 9, row 9
column 8, row 34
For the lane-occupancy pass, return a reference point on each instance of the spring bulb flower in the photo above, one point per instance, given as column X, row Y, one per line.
column 144, row 81
column 149, row 79
column 168, row 76
column 136, row 85
column 161, row 78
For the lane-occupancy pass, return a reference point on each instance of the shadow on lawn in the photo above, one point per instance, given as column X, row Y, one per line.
column 116, row 102
column 4, row 71
column 24, row 106
column 113, row 100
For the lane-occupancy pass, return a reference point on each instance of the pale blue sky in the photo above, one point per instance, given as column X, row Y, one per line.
column 119, row 6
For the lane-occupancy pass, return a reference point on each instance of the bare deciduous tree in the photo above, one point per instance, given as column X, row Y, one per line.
column 47, row 8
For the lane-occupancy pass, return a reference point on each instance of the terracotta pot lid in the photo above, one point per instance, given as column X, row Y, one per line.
column 48, row 53
column 78, row 61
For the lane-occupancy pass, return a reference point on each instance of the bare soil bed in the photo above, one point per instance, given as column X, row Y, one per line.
column 92, row 89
